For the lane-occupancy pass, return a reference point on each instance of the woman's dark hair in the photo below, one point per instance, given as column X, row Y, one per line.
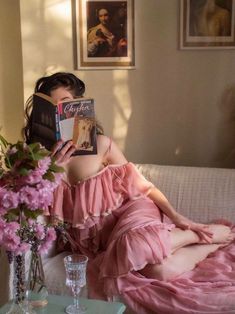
column 46, row 85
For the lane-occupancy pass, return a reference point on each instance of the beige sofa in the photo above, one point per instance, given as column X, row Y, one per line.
column 202, row 194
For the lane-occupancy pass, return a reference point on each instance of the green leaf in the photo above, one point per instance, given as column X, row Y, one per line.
column 8, row 162
column 34, row 146
column 3, row 142
column 49, row 176
column 38, row 156
column 55, row 168
column 32, row 213
column 12, row 214
column 23, row 171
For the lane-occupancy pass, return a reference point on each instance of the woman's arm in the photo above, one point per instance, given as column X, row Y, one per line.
column 114, row 155
column 179, row 220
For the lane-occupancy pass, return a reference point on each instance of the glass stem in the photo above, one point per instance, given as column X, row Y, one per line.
column 76, row 299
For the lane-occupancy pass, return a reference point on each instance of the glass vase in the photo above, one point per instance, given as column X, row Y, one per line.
column 36, row 291
column 19, row 304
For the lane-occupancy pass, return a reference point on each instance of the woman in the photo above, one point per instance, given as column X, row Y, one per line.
column 138, row 245
column 100, row 39
column 210, row 19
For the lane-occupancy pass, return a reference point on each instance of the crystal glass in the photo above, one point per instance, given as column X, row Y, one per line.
column 75, row 267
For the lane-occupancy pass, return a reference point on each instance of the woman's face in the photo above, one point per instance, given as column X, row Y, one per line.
column 103, row 16
column 61, row 94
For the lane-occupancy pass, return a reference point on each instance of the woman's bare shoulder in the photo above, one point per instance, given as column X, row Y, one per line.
column 103, row 139
column 111, row 152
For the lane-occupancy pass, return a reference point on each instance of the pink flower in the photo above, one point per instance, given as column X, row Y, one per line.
column 50, row 237
column 9, row 200
column 10, row 239
column 32, row 178
column 2, row 210
column 22, row 248
column 39, row 231
column 51, row 234
column 30, row 197
column 43, row 165
column 12, row 151
column 35, row 176
column 2, row 227
column 26, row 193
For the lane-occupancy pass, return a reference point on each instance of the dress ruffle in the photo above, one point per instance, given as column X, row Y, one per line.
column 139, row 226
column 83, row 204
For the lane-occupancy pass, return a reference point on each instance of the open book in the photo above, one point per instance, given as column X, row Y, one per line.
column 67, row 120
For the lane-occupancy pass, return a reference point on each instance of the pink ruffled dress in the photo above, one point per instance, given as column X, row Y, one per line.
column 121, row 230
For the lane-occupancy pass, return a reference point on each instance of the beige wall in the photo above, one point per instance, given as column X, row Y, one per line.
column 177, row 107
column 11, row 73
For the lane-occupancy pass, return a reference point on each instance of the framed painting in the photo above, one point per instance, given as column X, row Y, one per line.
column 207, row 24
column 103, row 34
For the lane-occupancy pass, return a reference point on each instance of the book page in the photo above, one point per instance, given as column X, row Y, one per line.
column 66, row 129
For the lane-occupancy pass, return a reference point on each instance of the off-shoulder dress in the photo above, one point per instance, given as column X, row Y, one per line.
column 121, row 230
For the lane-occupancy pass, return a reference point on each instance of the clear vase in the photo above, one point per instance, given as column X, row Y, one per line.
column 36, row 291
column 19, row 304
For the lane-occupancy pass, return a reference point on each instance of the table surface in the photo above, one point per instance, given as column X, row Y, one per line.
column 56, row 305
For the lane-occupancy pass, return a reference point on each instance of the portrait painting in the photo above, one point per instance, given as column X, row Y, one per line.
column 104, row 34
column 207, row 24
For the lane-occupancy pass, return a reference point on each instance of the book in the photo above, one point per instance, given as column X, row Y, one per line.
column 67, row 120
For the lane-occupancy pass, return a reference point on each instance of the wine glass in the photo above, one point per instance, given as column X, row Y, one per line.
column 75, row 267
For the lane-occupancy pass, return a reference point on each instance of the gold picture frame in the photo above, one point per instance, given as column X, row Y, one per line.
column 103, row 34
column 207, row 24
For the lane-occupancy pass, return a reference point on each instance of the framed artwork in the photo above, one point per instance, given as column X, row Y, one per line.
column 103, row 34
column 207, row 24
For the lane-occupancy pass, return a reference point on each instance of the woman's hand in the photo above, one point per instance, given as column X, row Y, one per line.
column 202, row 230
column 62, row 152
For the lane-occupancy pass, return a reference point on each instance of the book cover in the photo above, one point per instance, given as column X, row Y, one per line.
column 68, row 120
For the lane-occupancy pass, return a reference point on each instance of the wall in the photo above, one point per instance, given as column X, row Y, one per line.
column 177, row 107
column 11, row 71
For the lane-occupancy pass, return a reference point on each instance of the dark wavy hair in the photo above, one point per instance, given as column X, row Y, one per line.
column 46, row 85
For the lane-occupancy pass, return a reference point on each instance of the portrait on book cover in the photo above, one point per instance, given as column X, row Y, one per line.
column 207, row 24
column 83, row 133
column 104, row 34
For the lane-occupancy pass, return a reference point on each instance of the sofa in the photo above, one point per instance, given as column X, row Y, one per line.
column 202, row 194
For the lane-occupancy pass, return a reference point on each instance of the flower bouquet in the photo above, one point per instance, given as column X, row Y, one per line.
column 28, row 177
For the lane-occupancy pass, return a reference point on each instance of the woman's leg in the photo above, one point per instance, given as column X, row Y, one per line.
column 181, row 238
column 183, row 260
column 186, row 253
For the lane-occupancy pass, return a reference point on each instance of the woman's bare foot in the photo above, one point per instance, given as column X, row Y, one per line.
column 221, row 234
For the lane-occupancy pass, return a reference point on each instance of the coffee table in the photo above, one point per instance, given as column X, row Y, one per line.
column 57, row 304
